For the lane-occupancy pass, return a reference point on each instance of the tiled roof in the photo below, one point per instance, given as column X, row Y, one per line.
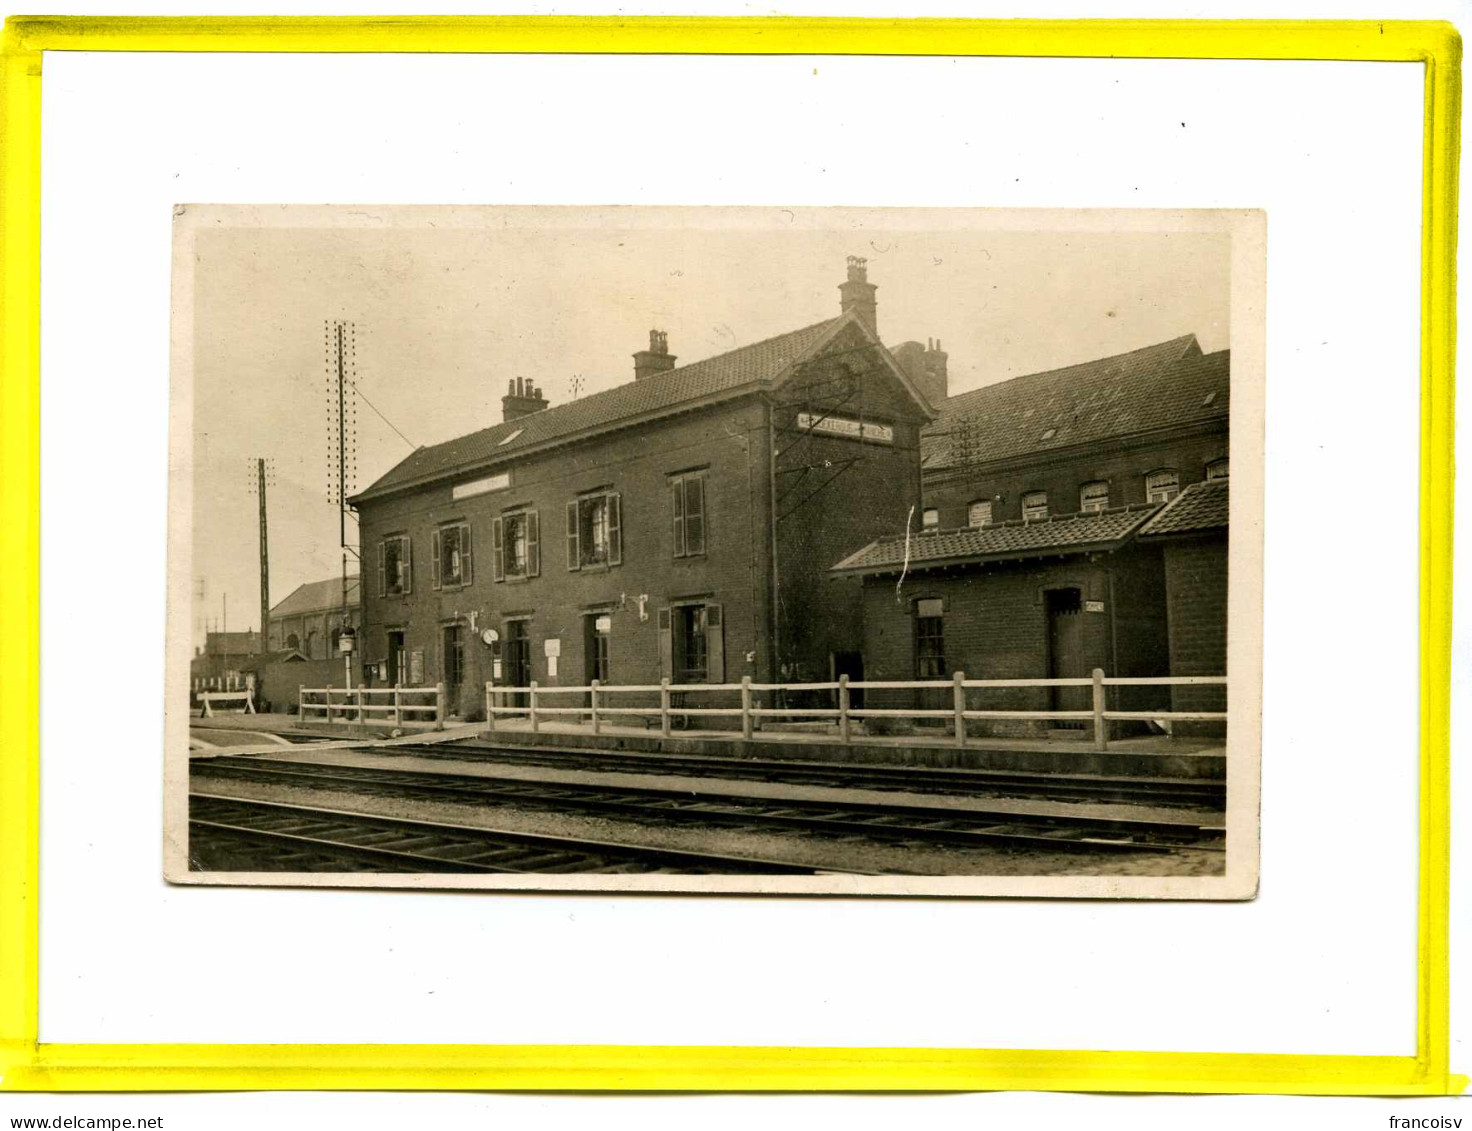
column 1169, row 383
column 748, row 365
column 314, row 596
column 286, row 655
column 1094, row 530
column 1201, row 506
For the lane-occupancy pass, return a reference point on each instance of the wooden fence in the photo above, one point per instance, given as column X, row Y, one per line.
column 397, row 706
column 208, row 699
column 598, row 708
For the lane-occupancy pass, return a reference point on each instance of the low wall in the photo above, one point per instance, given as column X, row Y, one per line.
column 279, row 683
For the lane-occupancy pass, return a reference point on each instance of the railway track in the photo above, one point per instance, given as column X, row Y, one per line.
column 233, row 834
column 1198, row 793
column 890, row 823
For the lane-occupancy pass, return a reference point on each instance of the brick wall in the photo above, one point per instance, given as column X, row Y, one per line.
column 834, row 496
column 730, row 442
column 1062, row 474
column 996, row 627
column 1196, row 586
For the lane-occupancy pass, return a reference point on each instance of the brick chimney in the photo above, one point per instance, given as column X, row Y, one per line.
column 857, row 293
column 522, row 399
column 926, row 367
column 656, row 359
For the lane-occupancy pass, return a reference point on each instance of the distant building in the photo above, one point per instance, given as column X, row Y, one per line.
column 1073, row 519
column 225, row 655
column 311, row 618
column 678, row 526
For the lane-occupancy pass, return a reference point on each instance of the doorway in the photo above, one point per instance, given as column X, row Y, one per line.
column 518, row 651
column 1066, row 654
column 396, row 671
column 453, row 642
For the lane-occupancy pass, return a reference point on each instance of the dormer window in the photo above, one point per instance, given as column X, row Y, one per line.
column 1093, row 496
column 1162, row 486
column 1034, row 505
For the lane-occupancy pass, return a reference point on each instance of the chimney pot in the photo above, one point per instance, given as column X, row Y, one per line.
column 656, row 359
column 856, row 294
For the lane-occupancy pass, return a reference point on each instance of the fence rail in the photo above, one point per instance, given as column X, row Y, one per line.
column 208, row 699
column 530, row 702
column 401, row 706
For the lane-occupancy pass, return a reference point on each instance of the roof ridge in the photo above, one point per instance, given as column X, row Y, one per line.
column 1182, row 339
column 654, row 378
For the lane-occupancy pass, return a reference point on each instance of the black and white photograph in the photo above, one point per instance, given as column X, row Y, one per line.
column 811, row 550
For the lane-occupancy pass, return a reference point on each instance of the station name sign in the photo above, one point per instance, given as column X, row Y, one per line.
column 481, row 486
column 846, row 427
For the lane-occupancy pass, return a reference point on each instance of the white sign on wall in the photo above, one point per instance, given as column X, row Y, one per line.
column 498, row 482
column 846, row 427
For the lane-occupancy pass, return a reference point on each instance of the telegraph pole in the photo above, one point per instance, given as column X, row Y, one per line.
column 265, row 565
column 341, row 346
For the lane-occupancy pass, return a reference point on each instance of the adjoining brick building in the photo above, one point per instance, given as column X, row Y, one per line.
column 1072, row 520
column 311, row 618
column 678, row 526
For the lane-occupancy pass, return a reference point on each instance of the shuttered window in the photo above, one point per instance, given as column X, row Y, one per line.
column 395, row 567
column 516, row 546
column 692, row 643
column 687, row 501
column 450, row 556
column 595, row 531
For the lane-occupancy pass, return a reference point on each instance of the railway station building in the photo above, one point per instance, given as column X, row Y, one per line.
column 680, row 525
column 1072, row 520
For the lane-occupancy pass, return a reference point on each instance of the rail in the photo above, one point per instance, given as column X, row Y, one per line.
column 403, row 706
column 208, row 699
column 533, row 705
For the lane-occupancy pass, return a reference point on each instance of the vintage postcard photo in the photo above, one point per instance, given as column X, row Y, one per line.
column 826, row 550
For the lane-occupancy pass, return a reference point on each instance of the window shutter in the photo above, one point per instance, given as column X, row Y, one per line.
column 434, row 555
column 666, row 646
column 382, row 571
column 695, row 514
column 465, row 576
column 574, row 547
column 533, row 545
column 408, row 560
column 498, row 555
column 715, row 645
column 615, row 531
column 677, row 500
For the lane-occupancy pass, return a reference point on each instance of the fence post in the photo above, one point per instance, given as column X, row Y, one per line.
column 207, row 712
column 490, row 707
column 301, row 711
column 250, row 707
column 1101, row 733
column 398, row 708
column 439, row 706
column 959, row 695
column 844, row 735
column 363, row 716
column 533, row 707
column 664, row 707
column 593, row 698
column 746, row 708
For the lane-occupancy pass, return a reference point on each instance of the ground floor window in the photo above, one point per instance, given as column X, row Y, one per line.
column 930, row 639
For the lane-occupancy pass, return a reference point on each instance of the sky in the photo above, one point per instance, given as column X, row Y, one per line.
column 449, row 304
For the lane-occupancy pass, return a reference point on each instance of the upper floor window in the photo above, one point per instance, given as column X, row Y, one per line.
column 594, row 531
column 516, row 545
column 450, row 552
column 1094, row 496
column 395, row 567
column 1162, row 486
column 930, row 518
column 687, row 499
column 979, row 513
column 1216, row 469
column 1034, row 505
